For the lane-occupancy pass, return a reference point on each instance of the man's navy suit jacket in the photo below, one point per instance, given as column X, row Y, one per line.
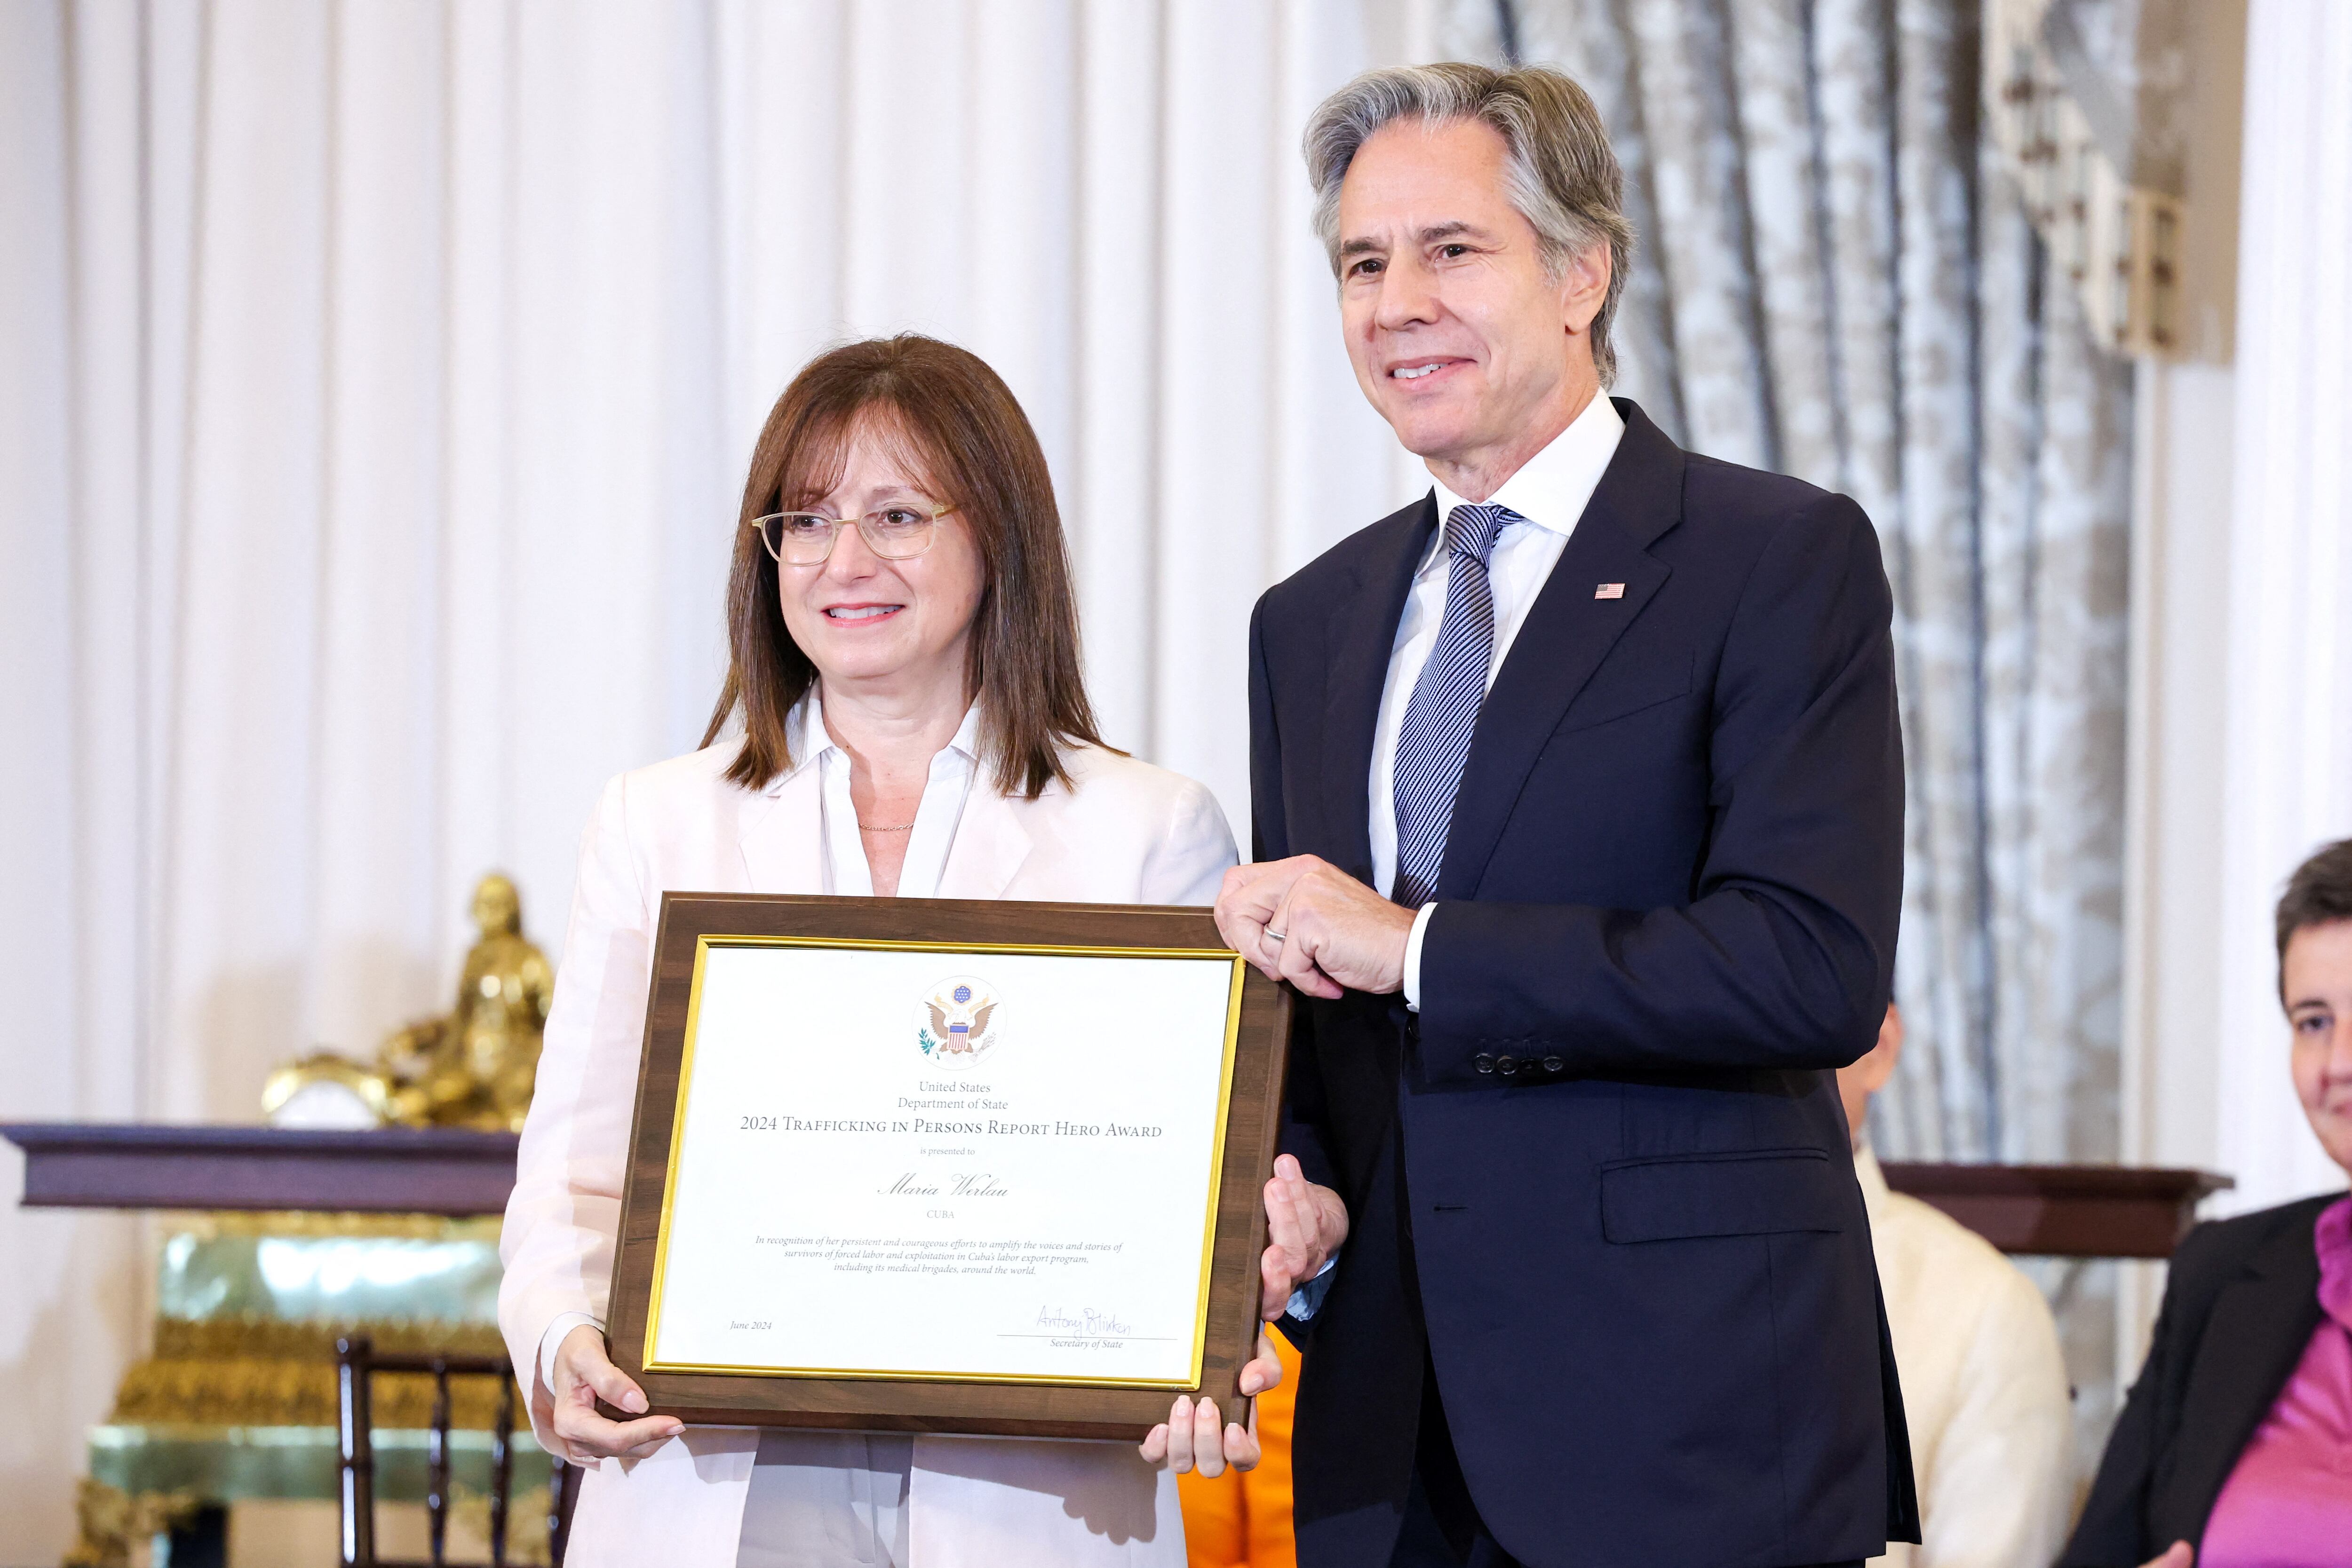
column 1602, row 1179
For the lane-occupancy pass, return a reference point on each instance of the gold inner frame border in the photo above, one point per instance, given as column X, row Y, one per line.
column 703, row 945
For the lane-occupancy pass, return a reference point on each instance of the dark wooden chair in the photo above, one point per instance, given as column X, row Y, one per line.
column 357, row 1362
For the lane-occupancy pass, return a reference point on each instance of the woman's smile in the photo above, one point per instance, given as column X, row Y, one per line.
column 861, row 614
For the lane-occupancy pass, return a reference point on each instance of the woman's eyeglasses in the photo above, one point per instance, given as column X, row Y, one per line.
column 897, row 532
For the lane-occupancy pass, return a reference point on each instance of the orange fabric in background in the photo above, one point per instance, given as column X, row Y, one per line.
column 1241, row 1520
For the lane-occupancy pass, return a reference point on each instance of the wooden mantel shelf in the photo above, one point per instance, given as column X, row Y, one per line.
column 399, row 1170
column 2073, row 1211
column 2082, row 1211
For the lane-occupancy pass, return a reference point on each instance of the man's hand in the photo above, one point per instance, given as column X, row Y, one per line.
column 1304, row 1227
column 1306, row 921
column 1189, row 1438
column 582, row 1374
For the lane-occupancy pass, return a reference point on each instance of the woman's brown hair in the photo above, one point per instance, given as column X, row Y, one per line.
column 2319, row 893
column 960, row 420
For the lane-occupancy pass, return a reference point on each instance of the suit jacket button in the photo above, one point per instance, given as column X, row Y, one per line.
column 1483, row 1063
column 1509, row 1065
column 1554, row 1064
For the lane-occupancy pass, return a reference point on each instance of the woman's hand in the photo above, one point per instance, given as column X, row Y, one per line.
column 584, row 1374
column 2179, row 1554
column 1189, row 1438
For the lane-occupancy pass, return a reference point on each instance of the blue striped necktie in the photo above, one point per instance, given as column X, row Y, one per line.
column 1434, row 739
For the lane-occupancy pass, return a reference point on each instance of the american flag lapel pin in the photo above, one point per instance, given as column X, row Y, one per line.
column 1610, row 591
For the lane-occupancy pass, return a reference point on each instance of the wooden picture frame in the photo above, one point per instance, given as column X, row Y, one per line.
column 1258, row 1032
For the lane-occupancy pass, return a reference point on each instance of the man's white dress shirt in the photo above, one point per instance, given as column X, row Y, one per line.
column 1550, row 490
column 1984, row 1389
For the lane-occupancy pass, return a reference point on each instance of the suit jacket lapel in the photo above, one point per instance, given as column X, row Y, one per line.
column 2259, row 1328
column 781, row 832
column 1361, row 632
column 1564, row 638
column 989, row 848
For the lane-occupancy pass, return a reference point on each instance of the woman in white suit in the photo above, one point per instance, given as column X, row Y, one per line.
column 903, row 716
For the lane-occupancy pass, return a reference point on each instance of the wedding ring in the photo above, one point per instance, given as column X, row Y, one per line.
column 1272, row 934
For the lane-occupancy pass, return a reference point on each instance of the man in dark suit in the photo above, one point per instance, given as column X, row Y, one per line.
column 1578, row 792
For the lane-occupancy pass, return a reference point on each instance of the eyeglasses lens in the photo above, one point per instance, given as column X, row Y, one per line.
column 805, row 539
column 800, row 538
column 896, row 533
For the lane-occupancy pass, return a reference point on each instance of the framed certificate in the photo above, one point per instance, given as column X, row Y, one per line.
column 932, row 1166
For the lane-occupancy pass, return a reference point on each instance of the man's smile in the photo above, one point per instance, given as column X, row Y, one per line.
column 1421, row 369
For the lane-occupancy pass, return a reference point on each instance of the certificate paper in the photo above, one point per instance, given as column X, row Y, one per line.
column 965, row 1163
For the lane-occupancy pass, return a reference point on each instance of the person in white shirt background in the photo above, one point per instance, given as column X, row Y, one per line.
column 903, row 715
column 1983, row 1384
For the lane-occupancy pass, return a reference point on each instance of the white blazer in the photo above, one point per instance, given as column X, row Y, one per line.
column 1127, row 833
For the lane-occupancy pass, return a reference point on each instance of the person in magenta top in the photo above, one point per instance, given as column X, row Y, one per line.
column 2235, row 1447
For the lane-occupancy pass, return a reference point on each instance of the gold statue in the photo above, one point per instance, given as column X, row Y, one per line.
column 473, row 1067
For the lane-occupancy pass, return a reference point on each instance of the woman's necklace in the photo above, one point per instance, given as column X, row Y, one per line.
column 908, row 828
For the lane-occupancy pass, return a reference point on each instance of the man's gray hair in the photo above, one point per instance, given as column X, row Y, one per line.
column 1561, row 174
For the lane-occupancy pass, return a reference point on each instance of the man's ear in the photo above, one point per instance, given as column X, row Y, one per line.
column 1584, row 286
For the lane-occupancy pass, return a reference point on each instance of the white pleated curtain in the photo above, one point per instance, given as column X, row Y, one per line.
column 376, row 384
column 409, row 408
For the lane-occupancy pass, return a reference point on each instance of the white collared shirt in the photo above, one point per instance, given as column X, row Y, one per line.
column 953, row 768
column 1550, row 490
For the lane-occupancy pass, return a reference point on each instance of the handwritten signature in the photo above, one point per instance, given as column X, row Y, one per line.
column 963, row 1184
column 1086, row 1321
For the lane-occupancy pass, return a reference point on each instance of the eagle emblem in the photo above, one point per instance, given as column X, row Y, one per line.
column 957, row 1024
